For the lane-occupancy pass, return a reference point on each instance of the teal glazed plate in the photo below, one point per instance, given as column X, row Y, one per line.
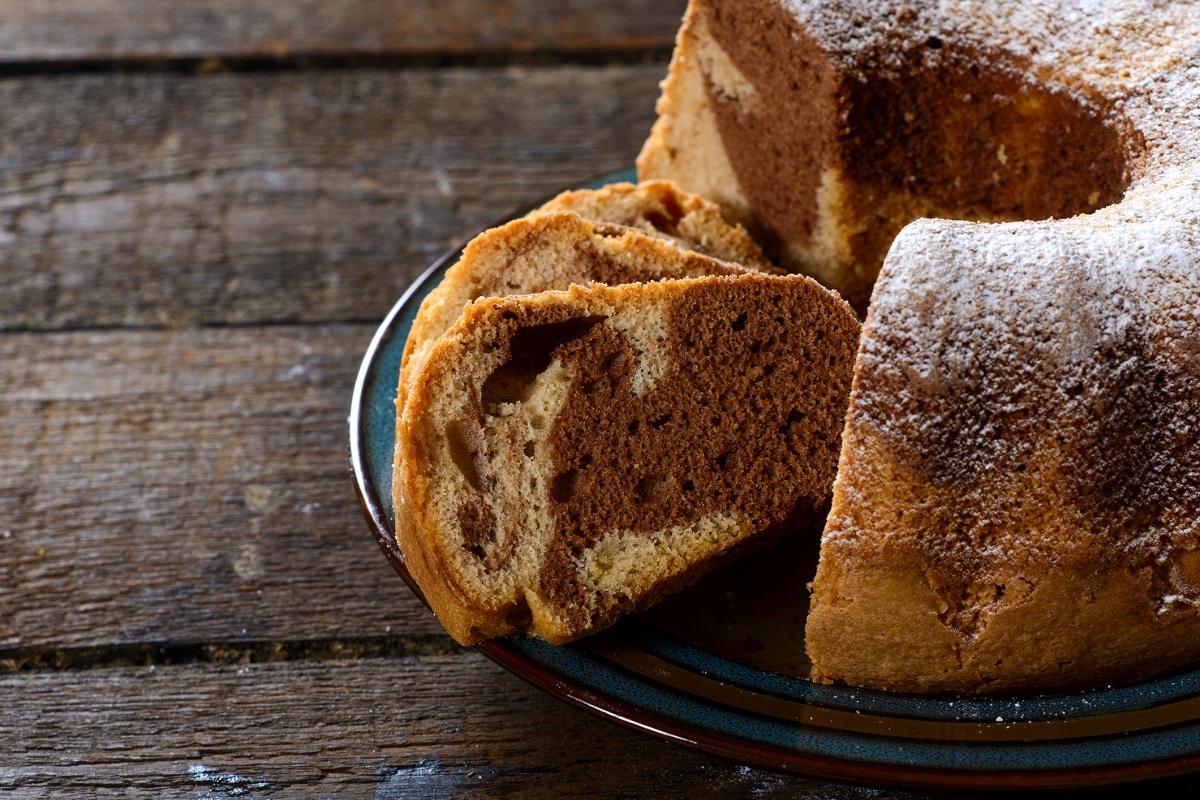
column 721, row 668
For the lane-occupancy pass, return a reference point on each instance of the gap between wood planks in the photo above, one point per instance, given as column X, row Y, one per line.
column 17, row 660
column 298, row 63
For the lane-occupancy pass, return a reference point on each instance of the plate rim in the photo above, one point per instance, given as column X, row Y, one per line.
column 662, row 726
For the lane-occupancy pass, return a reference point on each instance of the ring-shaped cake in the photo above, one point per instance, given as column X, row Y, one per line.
column 1018, row 496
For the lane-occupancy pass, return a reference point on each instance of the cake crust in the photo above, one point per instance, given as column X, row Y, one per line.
column 1020, row 452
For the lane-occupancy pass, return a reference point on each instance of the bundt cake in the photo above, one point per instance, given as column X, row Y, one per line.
column 1017, row 504
column 567, row 456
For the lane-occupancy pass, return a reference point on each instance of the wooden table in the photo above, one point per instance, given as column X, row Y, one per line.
column 205, row 210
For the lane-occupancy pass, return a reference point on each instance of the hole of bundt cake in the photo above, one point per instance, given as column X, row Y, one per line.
column 614, row 362
column 532, row 348
column 565, row 486
column 634, row 426
column 739, row 324
column 468, row 451
column 660, row 421
column 688, row 485
column 529, row 449
column 591, row 387
column 923, row 127
column 964, row 134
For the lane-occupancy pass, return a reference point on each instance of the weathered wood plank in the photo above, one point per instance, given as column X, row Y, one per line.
column 186, row 487
column 416, row 728
column 101, row 30
column 161, row 199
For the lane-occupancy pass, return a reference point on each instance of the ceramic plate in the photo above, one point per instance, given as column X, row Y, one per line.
column 721, row 666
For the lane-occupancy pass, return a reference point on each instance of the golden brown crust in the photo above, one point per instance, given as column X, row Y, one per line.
column 882, row 627
column 1023, row 471
column 424, row 564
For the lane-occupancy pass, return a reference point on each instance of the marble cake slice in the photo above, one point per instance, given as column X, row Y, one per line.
column 569, row 456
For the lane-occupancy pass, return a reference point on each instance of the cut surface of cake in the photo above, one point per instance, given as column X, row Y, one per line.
column 568, row 456
column 1017, row 505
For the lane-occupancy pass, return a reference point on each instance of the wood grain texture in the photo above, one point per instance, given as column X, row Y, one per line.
column 170, row 200
column 187, row 486
column 101, row 30
column 396, row 729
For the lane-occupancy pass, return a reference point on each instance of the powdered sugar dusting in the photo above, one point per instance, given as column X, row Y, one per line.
column 1142, row 55
column 1043, row 378
column 1046, row 377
